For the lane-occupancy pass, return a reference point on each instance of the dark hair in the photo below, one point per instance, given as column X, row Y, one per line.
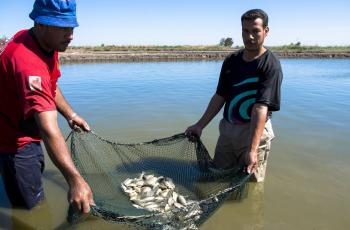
column 253, row 14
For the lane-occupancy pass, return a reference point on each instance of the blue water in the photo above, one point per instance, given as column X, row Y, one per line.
column 140, row 94
column 307, row 183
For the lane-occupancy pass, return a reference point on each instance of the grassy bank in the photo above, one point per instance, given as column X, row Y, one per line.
column 285, row 48
column 158, row 53
column 151, row 48
column 292, row 48
column 311, row 49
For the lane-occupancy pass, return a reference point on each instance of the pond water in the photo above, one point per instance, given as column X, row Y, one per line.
column 307, row 186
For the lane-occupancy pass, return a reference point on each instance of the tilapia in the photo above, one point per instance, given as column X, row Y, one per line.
column 155, row 194
column 181, row 199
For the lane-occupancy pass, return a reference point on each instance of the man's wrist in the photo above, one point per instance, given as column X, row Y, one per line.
column 73, row 178
column 72, row 116
column 200, row 125
column 253, row 152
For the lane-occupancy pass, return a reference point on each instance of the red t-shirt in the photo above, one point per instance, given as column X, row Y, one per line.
column 28, row 78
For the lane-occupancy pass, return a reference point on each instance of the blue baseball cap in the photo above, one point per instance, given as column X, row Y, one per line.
column 61, row 13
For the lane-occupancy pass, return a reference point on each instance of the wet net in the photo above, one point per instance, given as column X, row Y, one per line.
column 108, row 166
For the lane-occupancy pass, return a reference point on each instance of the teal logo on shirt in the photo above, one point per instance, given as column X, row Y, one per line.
column 243, row 101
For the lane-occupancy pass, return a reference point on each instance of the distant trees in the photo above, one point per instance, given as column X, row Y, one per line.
column 298, row 44
column 3, row 41
column 227, row 42
column 295, row 46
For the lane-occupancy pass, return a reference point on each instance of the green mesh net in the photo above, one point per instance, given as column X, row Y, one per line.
column 106, row 165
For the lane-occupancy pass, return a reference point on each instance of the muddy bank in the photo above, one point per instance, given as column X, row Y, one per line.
column 106, row 56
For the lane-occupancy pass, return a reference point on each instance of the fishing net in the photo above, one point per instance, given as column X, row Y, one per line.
column 106, row 165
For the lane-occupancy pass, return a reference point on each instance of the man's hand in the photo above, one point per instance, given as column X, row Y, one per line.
column 194, row 130
column 251, row 161
column 76, row 122
column 80, row 195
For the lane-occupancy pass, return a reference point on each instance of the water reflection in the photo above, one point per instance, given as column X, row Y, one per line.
column 244, row 214
column 39, row 217
column 256, row 195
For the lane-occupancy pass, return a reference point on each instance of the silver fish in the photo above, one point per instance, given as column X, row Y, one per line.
column 164, row 193
column 169, row 183
column 136, row 197
column 137, row 189
column 123, row 187
column 181, row 199
column 151, row 206
column 137, row 206
column 178, row 205
column 171, row 201
column 175, row 195
column 167, row 207
column 128, row 181
column 159, row 199
column 142, row 175
column 140, row 183
column 146, row 189
column 147, row 177
column 151, row 181
column 159, row 191
column 154, row 193
column 147, row 199
column 132, row 184
column 133, row 193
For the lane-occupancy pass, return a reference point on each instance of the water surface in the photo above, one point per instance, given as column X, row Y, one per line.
column 307, row 185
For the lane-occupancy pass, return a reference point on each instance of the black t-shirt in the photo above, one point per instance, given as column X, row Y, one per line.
column 243, row 84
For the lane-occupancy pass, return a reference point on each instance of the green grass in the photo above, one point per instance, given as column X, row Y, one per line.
column 152, row 48
column 292, row 48
column 295, row 48
column 311, row 49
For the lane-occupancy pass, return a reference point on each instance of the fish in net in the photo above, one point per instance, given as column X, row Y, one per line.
column 112, row 169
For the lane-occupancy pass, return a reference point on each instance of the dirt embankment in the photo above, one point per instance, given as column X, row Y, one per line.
column 106, row 56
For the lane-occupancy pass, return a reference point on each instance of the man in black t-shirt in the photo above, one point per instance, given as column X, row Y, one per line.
column 250, row 88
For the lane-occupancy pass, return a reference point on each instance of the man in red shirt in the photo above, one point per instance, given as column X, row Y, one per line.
column 29, row 103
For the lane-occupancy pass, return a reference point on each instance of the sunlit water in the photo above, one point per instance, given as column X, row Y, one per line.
column 307, row 186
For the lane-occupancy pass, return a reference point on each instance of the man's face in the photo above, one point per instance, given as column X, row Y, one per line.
column 58, row 38
column 253, row 34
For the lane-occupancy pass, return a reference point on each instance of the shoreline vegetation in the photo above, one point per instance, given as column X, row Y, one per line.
column 172, row 53
column 110, row 53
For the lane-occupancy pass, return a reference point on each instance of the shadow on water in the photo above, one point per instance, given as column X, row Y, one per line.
column 4, row 202
column 16, row 223
column 38, row 218
column 3, row 218
column 51, row 175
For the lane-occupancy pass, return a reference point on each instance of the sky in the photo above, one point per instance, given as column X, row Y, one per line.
column 192, row 22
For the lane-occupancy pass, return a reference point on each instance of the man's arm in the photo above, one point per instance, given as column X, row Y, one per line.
column 80, row 194
column 258, row 120
column 213, row 108
column 66, row 110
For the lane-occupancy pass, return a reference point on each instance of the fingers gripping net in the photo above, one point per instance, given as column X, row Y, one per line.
column 106, row 164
